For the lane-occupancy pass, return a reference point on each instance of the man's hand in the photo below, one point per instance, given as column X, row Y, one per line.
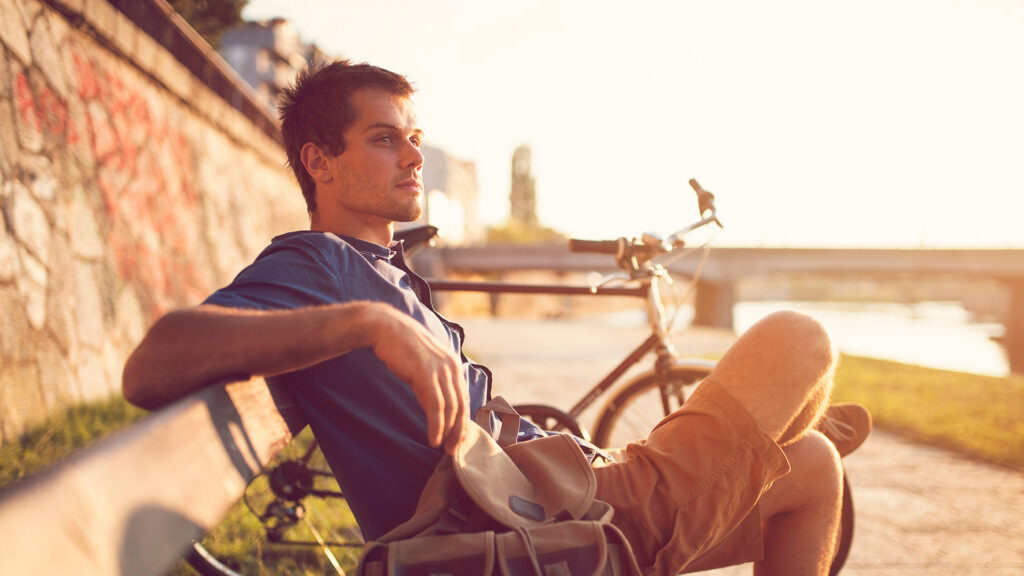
column 430, row 369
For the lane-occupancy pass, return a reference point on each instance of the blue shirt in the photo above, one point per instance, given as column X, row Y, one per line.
column 367, row 421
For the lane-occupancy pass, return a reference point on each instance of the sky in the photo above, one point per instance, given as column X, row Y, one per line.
column 880, row 123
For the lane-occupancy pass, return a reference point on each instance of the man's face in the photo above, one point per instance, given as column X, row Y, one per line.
column 378, row 179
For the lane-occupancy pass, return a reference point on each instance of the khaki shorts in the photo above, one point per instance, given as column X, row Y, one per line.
column 686, row 498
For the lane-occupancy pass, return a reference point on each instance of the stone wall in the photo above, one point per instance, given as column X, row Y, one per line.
column 127, row 188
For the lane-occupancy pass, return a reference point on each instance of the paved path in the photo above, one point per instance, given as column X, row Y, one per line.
column 920, row 510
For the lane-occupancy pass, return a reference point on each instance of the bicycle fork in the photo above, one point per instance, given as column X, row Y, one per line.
column 665, row 352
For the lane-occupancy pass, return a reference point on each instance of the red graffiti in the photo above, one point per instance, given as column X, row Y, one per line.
column 146, row 177
column 47, row 114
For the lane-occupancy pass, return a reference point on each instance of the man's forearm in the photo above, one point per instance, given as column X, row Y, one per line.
column 189, row 348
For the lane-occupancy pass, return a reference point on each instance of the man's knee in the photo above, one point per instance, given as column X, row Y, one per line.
column 815, row 479
column 779, row 369
column 805, row 336
column 817, row 466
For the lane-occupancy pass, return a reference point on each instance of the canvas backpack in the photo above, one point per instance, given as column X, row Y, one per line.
column 498, row 506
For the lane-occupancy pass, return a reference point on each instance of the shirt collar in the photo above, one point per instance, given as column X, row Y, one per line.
column 369, row 248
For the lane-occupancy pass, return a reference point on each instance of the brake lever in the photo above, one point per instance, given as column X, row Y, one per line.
column 705, row 201
column 616, row 276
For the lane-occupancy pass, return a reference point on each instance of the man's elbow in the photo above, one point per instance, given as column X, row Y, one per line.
column 140, row 379
column 133, row 385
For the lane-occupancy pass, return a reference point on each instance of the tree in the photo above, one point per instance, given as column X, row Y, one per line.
column 523, row 198
column 210, row 18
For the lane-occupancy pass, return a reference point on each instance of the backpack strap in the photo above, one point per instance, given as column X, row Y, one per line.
column 508, row 416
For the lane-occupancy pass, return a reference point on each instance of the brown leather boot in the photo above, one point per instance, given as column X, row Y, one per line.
column 847, row 425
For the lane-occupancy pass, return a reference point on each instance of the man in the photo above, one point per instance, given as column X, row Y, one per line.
column 334, row 314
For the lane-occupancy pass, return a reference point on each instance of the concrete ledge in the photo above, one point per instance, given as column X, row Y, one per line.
column 118, row 32
column 132, row 503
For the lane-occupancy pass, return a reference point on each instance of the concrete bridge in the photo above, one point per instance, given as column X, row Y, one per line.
column 716, row 291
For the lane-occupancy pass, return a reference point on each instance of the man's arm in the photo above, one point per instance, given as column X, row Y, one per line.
column 190, row 348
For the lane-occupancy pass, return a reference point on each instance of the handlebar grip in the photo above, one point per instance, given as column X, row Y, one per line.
column 599, row 246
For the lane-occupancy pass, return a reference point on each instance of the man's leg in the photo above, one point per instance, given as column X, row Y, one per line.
column 705, row 467
column 799, row 515
column 800, row 512
column 781, row 370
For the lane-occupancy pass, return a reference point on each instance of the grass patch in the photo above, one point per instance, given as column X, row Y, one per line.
column 982, row 416
column 62, row 434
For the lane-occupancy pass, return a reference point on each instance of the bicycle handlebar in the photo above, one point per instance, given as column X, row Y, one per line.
column 598, row 246
column 620, row 247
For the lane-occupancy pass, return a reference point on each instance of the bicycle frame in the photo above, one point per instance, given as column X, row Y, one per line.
column 648, row 290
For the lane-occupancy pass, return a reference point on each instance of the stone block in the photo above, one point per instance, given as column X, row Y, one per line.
column 13, row 32
column 113, row 364
column 162, row 69
column 6, row 84
column 60, row 290
column 38, row 170
column 125, row 38
column 26, row 116
column 29, row 9
column 88, row 311
column 91, row 375
column 31, row 282
column 47, row 58
column 83, row 229
column 79, row 135
column 9, row 148
column 21, row 400
column 102, row 16
column 129, row 320
column 16, row 336
column 55, row 374
column 59, row 27
column 8, row 255
column 146, row 50
column 29, row 223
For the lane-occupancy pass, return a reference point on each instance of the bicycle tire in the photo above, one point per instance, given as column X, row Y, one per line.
column 206, row 564
column 633, row 412
column 551, row 418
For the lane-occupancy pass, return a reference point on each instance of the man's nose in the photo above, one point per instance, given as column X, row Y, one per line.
column 414, row 157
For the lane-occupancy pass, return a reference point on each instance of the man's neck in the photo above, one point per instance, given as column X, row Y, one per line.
column 380, row 235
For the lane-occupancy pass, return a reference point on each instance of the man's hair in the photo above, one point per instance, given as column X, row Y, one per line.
column 318, row 108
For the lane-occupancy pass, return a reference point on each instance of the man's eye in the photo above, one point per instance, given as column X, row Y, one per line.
column 416, row 141
column 386, row 139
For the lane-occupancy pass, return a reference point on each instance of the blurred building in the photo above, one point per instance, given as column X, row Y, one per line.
column 268, row 55
column 451, row 191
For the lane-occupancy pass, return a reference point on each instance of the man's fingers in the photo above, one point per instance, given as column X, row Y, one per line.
column 435, row 376
column 432, row 403
column 449, row 386
column 458, row 431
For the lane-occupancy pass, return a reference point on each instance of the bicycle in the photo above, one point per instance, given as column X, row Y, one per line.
column 630, row 413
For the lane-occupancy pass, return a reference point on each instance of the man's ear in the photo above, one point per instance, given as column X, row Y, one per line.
column 315, row 160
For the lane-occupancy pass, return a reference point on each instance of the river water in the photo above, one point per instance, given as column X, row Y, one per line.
column 933, row 334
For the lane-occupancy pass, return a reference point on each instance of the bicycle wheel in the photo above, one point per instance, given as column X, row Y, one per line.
column 643, row 401
column 633, row 411
column 551, row 418
column 293, row 519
